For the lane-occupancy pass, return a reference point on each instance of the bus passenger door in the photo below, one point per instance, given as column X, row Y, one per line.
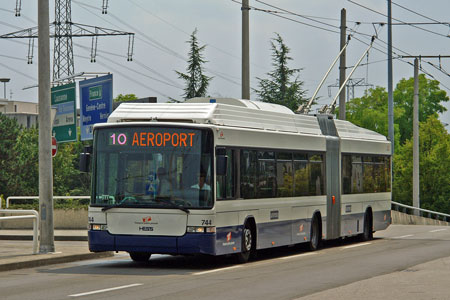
column 333, row 188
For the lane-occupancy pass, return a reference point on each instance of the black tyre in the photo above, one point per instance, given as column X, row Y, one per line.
column 315, row 237
column 140, row 256
column 367, row 234
column 247, row 245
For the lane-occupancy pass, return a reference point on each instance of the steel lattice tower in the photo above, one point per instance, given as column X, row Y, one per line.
column 63, row 32
column 63, row 64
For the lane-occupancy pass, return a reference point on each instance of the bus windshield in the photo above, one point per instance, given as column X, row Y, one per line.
column 154, row 167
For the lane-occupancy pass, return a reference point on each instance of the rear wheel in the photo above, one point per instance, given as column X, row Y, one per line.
column 314, row 241
column 140, row 256
column 367, row 234
column 247, row 244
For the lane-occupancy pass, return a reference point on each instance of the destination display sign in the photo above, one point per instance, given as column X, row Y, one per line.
column 153, row 139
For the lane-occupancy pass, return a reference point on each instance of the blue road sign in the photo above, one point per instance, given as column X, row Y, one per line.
column 95, row 103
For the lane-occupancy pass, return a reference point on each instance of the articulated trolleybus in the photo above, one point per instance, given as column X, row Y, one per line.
column 230, row 176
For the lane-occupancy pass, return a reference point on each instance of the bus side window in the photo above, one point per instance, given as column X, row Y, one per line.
column 225, row 184
column 248, row 173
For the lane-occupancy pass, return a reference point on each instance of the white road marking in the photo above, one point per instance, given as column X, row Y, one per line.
column 298, row 255
column 437, row 230
column 216, row 270
column 354, row 246
column 106, row 290
column 403, row 236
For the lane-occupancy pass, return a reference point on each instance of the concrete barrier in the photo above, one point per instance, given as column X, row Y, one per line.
column 62, row 219
column 405, row 219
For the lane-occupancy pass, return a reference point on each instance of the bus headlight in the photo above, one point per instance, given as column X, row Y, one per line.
column 200, row 229
column 99, row 227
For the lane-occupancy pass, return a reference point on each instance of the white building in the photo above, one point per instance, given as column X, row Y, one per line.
column 26, row 113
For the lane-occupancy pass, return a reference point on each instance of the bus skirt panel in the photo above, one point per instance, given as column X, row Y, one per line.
column 190, row 243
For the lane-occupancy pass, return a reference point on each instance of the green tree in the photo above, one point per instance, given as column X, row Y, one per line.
column 25, row 180
column 279, row 88
column 371, row 112
column 431, row 98
column 434, row 148
column 9, row 131
column 125, row 98
column 196, row 82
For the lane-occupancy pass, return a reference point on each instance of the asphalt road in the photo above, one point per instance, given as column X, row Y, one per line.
column 283, row 273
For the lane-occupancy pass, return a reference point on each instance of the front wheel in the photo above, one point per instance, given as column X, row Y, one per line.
column 247, row 245
column 140, row 256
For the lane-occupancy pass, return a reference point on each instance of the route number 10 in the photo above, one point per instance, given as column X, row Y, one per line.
column 121, row 139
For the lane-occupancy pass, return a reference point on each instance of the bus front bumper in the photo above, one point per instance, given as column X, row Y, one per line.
column 190, row 243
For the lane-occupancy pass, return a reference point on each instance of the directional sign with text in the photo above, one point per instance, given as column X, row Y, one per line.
column 64, row 125
column 96, row 103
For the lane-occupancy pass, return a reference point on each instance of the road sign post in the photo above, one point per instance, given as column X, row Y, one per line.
column 65, row 123
column 95, row 103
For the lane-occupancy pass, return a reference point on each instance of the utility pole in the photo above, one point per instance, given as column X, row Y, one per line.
column 416, row 179
column 245, row 51
column 45, row 155
column 342, row 110
column 390, row 89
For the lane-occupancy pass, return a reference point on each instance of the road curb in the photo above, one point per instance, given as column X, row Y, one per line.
column 37, row 262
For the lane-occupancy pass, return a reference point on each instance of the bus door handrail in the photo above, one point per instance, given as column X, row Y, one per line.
column 29, row 214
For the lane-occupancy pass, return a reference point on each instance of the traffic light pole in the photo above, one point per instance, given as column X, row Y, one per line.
column 45, row 154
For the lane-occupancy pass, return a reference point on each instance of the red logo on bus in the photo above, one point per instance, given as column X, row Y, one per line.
column 228, row 237
column 146, row 219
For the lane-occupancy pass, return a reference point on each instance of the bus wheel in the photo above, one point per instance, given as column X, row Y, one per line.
column 367, row 234
column 247, row 244
column 315, row 234
column 140, row 256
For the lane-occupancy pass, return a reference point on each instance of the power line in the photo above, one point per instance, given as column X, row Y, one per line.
column 22, row 16
column 419, row 14
column 129, row 78
column 377, row 12
column 133, row 70
column 295, row 14
column 187, row 33
column 18, row 72
column 154, row 43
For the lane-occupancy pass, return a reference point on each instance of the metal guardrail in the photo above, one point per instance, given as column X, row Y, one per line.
column 31, row 214
column 37, row 197
column 420, row 211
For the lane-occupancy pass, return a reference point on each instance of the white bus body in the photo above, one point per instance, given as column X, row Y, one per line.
column 290, row 179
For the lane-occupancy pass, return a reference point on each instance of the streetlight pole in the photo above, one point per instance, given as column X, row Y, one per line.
column 4, row 80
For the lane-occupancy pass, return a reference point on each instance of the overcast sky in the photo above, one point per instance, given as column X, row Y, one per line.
column 162, row 28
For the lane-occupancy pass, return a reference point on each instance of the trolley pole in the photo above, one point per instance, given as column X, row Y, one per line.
column 342, row 109
column 245, row 51
column 45, row 154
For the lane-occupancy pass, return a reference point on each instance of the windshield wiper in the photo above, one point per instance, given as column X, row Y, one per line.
column 166, row 200
column 113, row 205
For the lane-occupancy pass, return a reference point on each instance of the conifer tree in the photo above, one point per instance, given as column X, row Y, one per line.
column 196, row 81
column 279, row 88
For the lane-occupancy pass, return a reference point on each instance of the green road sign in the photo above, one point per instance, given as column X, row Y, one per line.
column 65, row 123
